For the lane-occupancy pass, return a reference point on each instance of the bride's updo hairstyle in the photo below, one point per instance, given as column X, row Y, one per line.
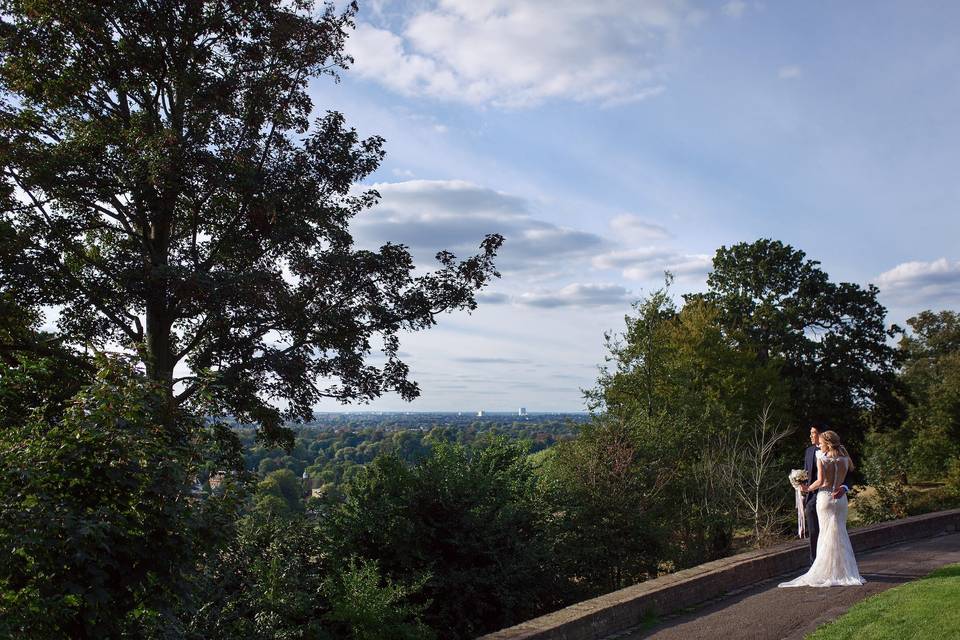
column 832, row 442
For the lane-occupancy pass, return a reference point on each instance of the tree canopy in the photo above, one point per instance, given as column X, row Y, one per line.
column 829, row 339
column 931, row 373
column 171, row 192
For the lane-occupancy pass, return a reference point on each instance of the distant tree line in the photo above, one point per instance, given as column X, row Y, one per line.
column 330, row 457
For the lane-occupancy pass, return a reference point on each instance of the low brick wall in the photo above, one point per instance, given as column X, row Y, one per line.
column 620, row 610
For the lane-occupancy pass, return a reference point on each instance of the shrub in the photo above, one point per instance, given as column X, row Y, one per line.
column 884, row 469
column 275, row 579
column 99, row 529
column 469, row 520
column 953, row 476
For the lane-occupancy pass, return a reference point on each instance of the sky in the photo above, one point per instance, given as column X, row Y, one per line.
column 611, row 140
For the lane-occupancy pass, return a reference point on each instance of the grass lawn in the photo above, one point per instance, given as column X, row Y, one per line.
column 926, row 609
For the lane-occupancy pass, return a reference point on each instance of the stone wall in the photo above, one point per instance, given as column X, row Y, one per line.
column 620, row 610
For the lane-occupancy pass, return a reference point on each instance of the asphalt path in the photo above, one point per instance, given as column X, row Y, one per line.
column 764, row 612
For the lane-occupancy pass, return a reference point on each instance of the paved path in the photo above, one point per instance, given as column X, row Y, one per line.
column 764, row 612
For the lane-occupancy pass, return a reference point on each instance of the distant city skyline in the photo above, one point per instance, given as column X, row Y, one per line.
column 611, row 141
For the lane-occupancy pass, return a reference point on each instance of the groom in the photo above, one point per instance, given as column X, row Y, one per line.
column 810, row 499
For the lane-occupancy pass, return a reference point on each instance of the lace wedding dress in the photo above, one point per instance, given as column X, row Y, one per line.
column 835, row 564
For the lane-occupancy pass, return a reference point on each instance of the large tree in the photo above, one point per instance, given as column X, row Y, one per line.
column 680, row 394
column 170, row 195
column 931, row 373
column 829, row 339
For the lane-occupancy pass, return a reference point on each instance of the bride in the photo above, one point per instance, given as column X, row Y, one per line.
column 835, row 564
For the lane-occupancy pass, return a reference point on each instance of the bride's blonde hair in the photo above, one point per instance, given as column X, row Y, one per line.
column 832, row 440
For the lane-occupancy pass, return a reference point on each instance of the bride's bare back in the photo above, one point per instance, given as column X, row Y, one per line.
column 833, row 470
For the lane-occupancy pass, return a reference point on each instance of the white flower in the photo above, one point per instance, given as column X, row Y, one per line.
column 798, row 477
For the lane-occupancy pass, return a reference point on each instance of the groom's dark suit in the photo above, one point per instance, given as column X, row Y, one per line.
column 810, row 500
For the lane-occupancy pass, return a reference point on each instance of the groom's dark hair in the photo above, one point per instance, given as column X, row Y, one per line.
column 819, row 426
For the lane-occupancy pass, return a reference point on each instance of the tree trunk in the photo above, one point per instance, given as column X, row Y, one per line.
column 159, row 321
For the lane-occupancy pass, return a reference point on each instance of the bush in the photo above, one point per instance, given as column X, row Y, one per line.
column 953, row 477
column 930, row 500
column 930, row 453
column 275, row 580
column 471, row 522
column 366, row 607
column 884, row 469
column 99, row 529
column 603, row 490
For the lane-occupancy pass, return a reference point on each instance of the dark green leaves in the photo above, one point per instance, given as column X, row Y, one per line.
column 470, row 523
column 829, row 339
column 176, row 196
column 97, row 513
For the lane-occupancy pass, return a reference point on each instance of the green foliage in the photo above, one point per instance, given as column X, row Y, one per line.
column 930, row 450
column 37, row 373
column 681, row 363
column 931, row 372
column 365, row 607
column 265, row 584
column 279, row 495
column 884, row 469
column 275, row 580
column 97, row 514
column 829, row 339
column 679, row 381
column 605, row 492
column 927, row 499
column 333, row 452
column 159, row 162
column 953, row 477
column 470, row 521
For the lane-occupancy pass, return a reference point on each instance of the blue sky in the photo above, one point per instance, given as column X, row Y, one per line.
column 611, row 140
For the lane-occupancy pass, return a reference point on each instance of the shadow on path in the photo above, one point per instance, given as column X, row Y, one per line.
column 764, row 612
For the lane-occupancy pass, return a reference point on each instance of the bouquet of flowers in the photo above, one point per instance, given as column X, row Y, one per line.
column 798, row 477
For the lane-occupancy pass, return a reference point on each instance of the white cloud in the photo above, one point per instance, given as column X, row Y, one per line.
column 631, row 257
column 518, row 53
column 541, row 262
column 687, row 267
column 923, row 283
column 789, row 72
column 649, row 263
column 430, row 215
column 636, row 228
column 577, row 295
column 490, row 360
column 735, row 8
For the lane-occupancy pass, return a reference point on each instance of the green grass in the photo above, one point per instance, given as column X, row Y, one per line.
column 926, row 609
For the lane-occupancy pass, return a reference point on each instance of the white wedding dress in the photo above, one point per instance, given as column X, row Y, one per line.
column 835, row 564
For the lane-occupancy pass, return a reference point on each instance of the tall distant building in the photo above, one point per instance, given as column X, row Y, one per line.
column 480, row 413
column 522, row 412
